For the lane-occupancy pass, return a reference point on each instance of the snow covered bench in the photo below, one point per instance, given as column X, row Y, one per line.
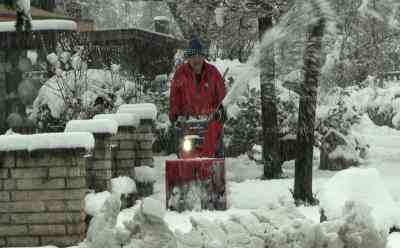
column 42, row 188
column 99, row 167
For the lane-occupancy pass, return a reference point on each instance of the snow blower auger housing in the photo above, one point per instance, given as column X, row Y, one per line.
column 194, row 181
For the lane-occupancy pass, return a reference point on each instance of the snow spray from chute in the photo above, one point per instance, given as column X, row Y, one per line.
column 302, row 15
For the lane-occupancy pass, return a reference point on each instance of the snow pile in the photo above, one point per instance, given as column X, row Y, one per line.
column 92, row 126
column 145, row 174
column 242, row 168
column 273, row 227
column 95, row 201
column 153, row 208
column 362, row 186
column 148, row 229
column 101, row 232
column 393, row 240
column 358, row 229
column 39, row 25
column 142, row 110
column 46, row 141
column 123, row 185
column 123, row 120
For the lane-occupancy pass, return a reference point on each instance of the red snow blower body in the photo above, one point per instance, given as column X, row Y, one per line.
column 196, row 180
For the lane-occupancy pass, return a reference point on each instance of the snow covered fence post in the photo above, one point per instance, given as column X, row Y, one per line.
column 99, row 169
column 42, row 189
column 123, row 148
column 142, row 139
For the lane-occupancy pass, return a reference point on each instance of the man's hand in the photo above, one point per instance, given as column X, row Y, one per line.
column 220, row 114
column 173, row 119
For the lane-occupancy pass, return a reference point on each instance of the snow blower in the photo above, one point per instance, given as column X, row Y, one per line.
column 195, row 180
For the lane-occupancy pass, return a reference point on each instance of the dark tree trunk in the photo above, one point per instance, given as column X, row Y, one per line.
column 307, row 108
column 272, row 165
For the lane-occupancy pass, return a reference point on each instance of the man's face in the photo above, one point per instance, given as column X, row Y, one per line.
column 196, row 62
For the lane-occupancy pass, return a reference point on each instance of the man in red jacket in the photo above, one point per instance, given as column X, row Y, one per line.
column 198, row 89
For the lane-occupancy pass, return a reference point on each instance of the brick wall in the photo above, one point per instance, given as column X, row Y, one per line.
column 133, row 148
column 42, row 197
column 99, row 170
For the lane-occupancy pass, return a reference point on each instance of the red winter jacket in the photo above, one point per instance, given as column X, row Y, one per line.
column 189, row 98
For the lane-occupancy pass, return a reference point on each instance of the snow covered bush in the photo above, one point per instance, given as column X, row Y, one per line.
column 384, row 109
column 76, row 92
column 359, row 229
column 355, row 185
column 243, row 131
column 340, row 116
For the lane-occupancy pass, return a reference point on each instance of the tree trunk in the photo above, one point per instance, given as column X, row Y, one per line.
column 272, row 165
column 307, row 108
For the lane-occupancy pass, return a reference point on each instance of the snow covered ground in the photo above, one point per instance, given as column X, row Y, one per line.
column 248, row 193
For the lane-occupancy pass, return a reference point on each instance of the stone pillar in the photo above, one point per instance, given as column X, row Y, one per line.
column 144, row 154
column 42, row 197
column 3, row 93
column 99, row 170
column 124, row 152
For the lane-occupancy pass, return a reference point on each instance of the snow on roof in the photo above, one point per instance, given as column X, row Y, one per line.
column 40, row 25
column 93, row 126
column 161, row 18
column 142, row 110
column 33, row 142
column 123, row 120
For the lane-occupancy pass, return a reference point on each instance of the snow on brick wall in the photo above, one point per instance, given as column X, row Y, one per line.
column 92, row 126
column 123, row 120
column 142, row 110
column 46, row 141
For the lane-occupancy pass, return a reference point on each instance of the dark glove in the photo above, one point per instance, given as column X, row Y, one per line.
column 220, row 114
column 173, row 119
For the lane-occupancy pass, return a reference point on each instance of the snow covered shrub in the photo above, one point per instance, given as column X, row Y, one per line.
column 355, row 185
column 340, row 117
column 339, row 147
column 359, row 229
column 76, row 92
column 384, row 110
column 243, row 131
